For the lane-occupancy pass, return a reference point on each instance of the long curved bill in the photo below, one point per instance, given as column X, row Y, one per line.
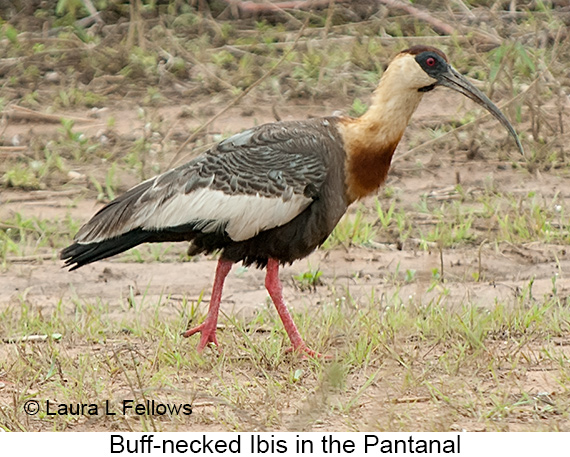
column 454, row 80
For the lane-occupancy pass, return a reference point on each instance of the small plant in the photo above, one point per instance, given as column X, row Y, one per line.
column 10, row 33
column 385, row 217
column 358, row 108
column 20, row 176
column 352, row 230
column 309, row 280
column 74, row 97
column 410, row 275
column 106, row 192
column 70, row 142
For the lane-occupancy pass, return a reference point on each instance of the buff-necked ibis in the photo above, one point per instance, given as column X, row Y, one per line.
column 274, row 193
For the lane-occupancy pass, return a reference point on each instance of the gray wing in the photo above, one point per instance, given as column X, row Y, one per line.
column 253, row 181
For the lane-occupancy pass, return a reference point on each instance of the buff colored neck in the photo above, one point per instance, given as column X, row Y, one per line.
column 370, row 141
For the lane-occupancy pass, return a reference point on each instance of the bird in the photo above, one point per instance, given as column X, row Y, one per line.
column 272, row 194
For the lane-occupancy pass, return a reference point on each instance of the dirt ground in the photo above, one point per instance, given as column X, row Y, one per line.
column 443, row 300
column 509, row 266
column 364, row 270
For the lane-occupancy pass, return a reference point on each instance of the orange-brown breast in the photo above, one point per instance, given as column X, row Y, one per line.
column 367, row 161
column 367, row 169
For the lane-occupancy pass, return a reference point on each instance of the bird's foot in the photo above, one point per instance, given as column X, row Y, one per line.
column 208, row 332
column 305, row 353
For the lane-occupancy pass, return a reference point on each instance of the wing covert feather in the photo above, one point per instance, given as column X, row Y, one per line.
column 256, row 180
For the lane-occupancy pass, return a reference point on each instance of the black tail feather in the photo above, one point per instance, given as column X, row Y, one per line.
column 79, row 254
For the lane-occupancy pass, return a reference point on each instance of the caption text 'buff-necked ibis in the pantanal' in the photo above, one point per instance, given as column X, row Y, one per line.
column 273, row 193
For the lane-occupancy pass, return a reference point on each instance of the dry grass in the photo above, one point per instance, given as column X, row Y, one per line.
column 444, row 302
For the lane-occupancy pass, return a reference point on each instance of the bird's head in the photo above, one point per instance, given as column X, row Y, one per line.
column 423, row 68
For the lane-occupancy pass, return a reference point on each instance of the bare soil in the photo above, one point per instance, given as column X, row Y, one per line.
column 508, row 265
column 507, row 269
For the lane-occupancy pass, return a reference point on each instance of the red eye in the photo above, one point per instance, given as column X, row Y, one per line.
column 430, row 61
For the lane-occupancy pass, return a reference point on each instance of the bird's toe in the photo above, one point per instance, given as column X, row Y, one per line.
column 208, row 335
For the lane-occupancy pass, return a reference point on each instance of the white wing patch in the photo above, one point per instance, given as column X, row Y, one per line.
column 245, row 215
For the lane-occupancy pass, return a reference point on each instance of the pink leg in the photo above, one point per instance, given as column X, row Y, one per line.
column 273, row 286
column 208, row 327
